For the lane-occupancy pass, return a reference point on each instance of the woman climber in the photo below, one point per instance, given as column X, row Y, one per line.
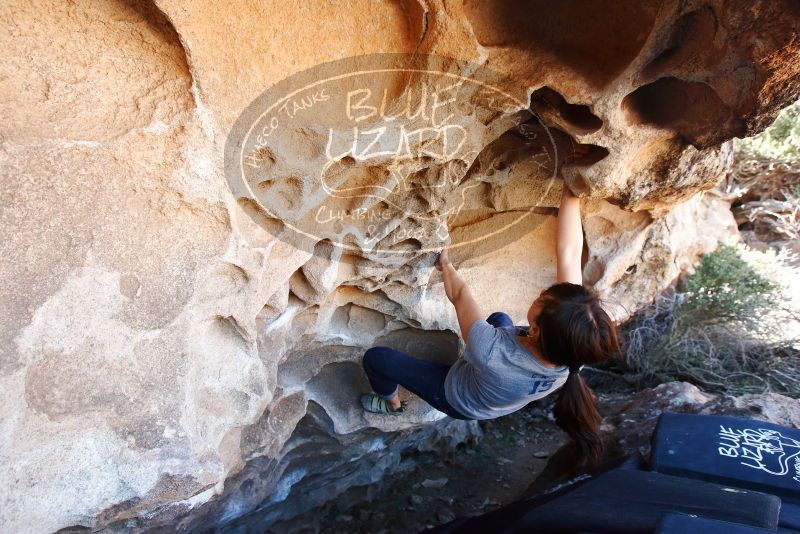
column 504, row 367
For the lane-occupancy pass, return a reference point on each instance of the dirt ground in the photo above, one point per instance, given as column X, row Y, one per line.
column 469, row 480
column 474, row 478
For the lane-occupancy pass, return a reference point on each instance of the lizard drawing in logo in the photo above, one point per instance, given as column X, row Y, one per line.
column 762, row 448
column 416, row 179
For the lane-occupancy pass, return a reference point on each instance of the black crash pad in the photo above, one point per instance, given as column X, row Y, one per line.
column 503, row 519
column 790, row 516
column 729, row 450
column 688, row 524
column 627, row 501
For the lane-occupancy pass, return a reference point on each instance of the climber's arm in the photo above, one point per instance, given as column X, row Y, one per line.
column 569, row 245
column 457, row 291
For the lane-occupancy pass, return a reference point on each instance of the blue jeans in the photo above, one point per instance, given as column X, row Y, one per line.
column 387, row 368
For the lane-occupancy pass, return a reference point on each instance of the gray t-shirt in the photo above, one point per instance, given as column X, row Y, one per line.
column 497, row 375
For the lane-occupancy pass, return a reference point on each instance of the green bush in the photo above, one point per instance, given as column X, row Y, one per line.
column 781, row 140
column 725, row 287
column 730, row 326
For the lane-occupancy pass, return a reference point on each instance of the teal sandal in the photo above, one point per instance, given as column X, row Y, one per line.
column 371, row 402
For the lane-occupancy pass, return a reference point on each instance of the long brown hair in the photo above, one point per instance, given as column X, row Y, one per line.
column 575, row 330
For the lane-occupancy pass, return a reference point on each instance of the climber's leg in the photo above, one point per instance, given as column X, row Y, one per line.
column 387, row 368
column 499, row 319
column 374, row 365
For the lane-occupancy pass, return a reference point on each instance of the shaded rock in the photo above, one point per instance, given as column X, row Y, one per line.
column 434, row 483
column 631, row 423
column 444, row 515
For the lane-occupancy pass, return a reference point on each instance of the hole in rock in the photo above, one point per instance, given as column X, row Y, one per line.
column 439, row 346
column 691, row 109
column 350, row 186
column 323, row 248
column 230, row 277
column 352, row 319
column 593, row 271
column 301, row 287
column 398, row 239
column 226, row 326
column 585, row 155
column 595, row 39
column 268, row 312
column 294, row 301
column 572, row 154
column 260, row 217
column 692, row 34
column 523, row 143
column 546, row 101
column 281, row 194
column 409, row 244
column 265, row 156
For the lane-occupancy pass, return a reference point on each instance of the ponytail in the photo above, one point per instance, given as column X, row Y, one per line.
column 574, row 330
column 576, row 413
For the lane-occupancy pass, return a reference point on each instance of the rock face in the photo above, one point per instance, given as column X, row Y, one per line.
column 167, row 358
column 632, row 422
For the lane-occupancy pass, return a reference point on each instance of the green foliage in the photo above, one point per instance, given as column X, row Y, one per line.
column 729, row 327
column 781, row 140
column 725, row 287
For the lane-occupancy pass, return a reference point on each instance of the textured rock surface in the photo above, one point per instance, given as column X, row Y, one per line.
column 156, row 341
column 632, row 422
